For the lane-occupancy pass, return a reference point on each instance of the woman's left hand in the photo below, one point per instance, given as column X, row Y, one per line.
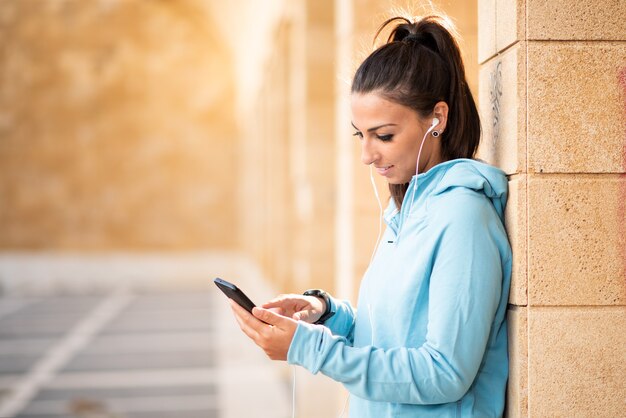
column 270, row 331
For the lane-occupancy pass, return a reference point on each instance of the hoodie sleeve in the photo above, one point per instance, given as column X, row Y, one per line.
column 342, row 322
column 464, row 293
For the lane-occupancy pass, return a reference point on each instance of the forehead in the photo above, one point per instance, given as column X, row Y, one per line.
column 371, row 108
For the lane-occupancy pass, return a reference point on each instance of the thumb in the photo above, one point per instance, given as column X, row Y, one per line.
column 268, row 316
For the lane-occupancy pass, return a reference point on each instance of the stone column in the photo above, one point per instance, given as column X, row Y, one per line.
column 552, row 99
column 288, row 148
column 317, row 242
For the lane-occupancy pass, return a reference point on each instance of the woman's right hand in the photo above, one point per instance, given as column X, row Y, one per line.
column 298, row 307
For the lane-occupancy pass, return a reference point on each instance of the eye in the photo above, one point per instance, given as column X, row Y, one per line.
column 359, row 134
column 385, row 138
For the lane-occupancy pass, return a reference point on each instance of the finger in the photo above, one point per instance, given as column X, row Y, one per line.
column 238, row 316
column 278, row 301
column 279, row 311
column 253, row 335
column 250, row 325
column 269, row 317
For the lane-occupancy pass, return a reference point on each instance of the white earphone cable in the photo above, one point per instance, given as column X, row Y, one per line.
column 293, row 394
column 417, row 169
column 345, row 404
column 380, row 213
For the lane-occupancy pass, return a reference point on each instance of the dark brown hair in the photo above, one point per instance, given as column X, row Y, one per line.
column 419, row 66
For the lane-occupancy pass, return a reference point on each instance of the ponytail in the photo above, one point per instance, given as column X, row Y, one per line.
column 419, row 66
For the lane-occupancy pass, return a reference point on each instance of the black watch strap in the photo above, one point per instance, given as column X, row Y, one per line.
column 319, row 293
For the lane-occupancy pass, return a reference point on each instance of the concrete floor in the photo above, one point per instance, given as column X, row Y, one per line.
column 135, row 349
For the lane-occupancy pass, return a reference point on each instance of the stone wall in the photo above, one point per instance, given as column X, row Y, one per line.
column 116, row 127
column 553, row 100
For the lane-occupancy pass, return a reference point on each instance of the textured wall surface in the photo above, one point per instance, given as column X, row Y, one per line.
column 553, row 104
column 116, row 126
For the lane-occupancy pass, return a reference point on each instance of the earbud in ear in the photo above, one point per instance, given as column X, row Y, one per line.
column 435, row 122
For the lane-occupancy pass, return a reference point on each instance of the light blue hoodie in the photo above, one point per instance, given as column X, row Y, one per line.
column 429, row 338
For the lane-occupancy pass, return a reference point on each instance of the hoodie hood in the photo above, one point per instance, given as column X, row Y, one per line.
column 477, row 176
column 462, row 172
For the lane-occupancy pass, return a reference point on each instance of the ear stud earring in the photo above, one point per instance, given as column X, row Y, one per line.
column 436, row 134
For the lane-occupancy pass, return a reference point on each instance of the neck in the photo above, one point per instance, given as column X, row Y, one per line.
column 433, row 159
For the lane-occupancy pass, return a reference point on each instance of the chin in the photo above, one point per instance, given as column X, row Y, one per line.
column 398, row 181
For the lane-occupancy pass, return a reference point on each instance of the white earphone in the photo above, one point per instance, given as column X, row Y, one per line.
column 435, row 123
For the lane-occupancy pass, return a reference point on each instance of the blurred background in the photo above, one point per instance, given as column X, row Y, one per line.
column 148, row 146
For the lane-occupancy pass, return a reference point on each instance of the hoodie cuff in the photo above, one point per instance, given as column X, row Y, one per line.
column 307, row 346
column 332, row 308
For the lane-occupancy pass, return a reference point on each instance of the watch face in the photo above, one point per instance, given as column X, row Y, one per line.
column 314, row 292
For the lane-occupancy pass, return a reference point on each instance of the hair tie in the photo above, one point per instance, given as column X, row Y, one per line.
column 422, row 39
column 413, row 37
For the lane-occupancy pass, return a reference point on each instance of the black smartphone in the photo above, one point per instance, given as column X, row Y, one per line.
column 234, row 293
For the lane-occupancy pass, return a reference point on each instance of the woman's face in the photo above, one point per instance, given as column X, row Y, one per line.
column 390, row 136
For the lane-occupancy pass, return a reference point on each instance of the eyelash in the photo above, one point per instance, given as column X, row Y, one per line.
column 384, row 138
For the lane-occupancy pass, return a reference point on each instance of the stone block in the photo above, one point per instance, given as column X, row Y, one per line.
column 576, row 239
column 576, row 94
column 502, row 23
column 510, row 22
column 486, row 29
column 515, row 222
column 517, row 387
column 502, row 106
column 577, row 362
column 576, row 20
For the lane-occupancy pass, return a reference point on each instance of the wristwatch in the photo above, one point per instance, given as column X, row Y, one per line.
column 319, row 293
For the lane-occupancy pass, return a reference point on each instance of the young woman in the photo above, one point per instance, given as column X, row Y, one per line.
column 429, row 338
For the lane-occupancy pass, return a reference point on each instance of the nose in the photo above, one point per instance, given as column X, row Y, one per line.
column 369, row 153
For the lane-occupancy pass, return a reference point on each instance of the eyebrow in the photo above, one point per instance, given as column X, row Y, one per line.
column 375, row 127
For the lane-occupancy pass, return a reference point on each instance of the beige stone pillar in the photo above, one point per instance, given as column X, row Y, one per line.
column 287, row 150
column 317, row 244
column 552, row 99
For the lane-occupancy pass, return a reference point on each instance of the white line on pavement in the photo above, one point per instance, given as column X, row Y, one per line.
column 59, row 354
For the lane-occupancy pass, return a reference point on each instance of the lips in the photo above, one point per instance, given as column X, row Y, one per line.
column 383, row 170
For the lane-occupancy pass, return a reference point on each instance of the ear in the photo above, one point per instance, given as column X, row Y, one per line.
column 440, row 112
